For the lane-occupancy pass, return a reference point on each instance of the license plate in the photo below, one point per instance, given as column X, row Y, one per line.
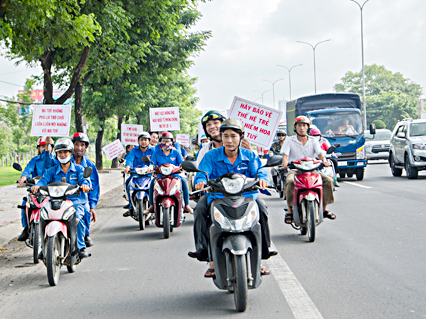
column 343, row 163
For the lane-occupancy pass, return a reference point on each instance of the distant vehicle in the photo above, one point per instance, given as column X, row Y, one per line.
column 377, row 146
column 408, row 148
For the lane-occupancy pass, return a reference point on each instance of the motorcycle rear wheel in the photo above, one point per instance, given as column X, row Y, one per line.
column 52, row 260
column 240, row 285
column 141, row 215
column 282, row 193
column 35, row 232
column 166, row 222
column 311, row 220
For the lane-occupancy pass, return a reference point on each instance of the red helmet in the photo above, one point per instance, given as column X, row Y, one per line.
column 41, row 141
column 315, row 131
column 165, row 135
column 302, row 119
column 80, row 137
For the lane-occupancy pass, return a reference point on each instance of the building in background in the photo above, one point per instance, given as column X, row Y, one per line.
column 282, row 106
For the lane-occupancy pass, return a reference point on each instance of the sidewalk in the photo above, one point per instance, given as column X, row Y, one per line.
column 11, row 196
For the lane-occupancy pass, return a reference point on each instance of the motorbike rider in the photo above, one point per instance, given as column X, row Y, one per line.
column 299, row 146
column 231, row 158
column 166, row 153
column 154, row 139
column 35, row 167
column 204, row 140
column 276, row 147
column 81, row 143
column 73, row 174
column 134, row 160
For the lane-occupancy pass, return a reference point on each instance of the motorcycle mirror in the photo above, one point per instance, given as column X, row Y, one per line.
column 146, row 159
column 337, row 145
column 87, row 172
column 189, row 158
column 189, row 166
column 17, row 167
column 274, row 161
column 331, row 149
column 121, row 160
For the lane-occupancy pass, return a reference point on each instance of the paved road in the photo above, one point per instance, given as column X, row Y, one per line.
column 369, row 263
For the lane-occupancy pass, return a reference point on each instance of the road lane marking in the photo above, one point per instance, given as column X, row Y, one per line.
column 355, row 184
column 298, row 300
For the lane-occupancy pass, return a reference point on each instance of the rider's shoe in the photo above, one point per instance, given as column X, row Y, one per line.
column 126, row 206
column 128, row 213
column 188, row 209
column 24, row 235
column 336, row 183
column 269, row 254
column 200, row 254
column 83, row 253
column 88, row 241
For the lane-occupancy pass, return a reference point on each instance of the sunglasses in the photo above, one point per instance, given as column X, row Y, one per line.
column 209, row 117
column 281, row 135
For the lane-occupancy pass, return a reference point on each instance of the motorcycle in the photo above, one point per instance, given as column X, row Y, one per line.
column 58, row 228
column 279, row 176
column 330, row 171
column 33, row 204
column 167, row 199
column 139, row 195
column 235, row 233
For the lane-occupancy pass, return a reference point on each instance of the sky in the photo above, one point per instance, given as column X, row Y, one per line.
column 251, row 37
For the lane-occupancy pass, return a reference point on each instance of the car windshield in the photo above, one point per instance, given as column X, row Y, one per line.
column 418, row 129
column 379, row 136
column 338, row 123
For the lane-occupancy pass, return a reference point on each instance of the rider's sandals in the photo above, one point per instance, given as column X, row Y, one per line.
column 288, row 218
column 210, row 273
column 128, row 213
column 264, row 271
column 329, row 215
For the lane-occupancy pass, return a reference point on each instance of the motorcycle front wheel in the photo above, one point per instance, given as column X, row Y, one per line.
column 141, row 215
column 166, row 222
column 240, row 285
column 35, row 233
column 53, row 264
column 311, row 220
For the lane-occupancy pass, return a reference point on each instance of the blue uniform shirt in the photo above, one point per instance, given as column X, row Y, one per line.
column 215, row 164
column 159, row 158
column 74, row 176
column 38, row 165
column 134, row 158
column 94, row 195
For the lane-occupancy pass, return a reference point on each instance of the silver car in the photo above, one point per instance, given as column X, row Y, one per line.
column 377, row 145
column 408, row 148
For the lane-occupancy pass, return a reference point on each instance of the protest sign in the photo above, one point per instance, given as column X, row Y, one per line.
column 113, row 150
column 200, row 132
column 51, row 120
column 183, row 139
column 260, row 122
column 164, row 119
column 130, row 133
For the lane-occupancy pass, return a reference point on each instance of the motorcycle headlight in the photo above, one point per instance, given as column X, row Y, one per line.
column 175, row 188
column 43, row 214
column 251, row 218
column 233, row 185
column 67, row 214
column 360, row 153
column 166, row 170
column 72, row 191
column 141, row 170
column 57, row 191
column 157, row 187
column 223, row 222
column 43, row 192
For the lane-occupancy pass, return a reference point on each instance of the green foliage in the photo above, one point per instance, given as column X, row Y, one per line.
column 389, row 96
column 379, row 124
column 8, row 175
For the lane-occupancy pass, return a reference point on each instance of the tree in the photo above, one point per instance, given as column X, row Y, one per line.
column 389, row 96
column 379, row 124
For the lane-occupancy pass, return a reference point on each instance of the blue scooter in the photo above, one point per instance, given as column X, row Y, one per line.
column 139, row 195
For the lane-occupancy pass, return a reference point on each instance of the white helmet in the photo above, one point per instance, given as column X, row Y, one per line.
column 64, row 144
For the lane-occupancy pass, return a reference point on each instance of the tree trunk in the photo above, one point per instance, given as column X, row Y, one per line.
column 98, row 146
column 77, row 107
column 46, row 64
column 115, row 160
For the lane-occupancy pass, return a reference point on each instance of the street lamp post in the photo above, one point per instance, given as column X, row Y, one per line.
column 289, row 76
column 313, row 48
column 363, row 69
column 273, row 90
column 261, row 93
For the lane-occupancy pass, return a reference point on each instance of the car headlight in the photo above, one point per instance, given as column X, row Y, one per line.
column 68, row 213
column 360, row 153
column 157, row 187
column 175, row 188
column 43, row 214
column 233, row 185
column 419, row 146
column 223, row 222
column 166, row 170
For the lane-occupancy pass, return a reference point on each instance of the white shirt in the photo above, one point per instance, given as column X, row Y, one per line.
column 203, row 151
column 296, row 150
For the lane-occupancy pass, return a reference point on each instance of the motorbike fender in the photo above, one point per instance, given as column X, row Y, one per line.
column 167, row 202
column 55, row 227
column 35, row 216
column 309, row 195
column 140, row 195
column 237, row 244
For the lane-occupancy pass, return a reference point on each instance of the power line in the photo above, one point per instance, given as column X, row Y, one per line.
column 16, row 102
column 16, row 72
column 12, row 84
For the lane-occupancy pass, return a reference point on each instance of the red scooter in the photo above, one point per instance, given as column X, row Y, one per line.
column 168, row 201
column 307, row 196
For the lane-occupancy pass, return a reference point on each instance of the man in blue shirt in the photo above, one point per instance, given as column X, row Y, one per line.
column 134, row 160
column 73, row 174
column 81, row 143
column 231, row 158
column 36, row 167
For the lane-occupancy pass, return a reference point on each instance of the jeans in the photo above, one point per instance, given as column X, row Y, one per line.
column 80, row 211
column 24, row 220
column 185, row 191
column 128, row 190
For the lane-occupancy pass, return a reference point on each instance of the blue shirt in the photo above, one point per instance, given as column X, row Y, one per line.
column 215, row 164
column 159, row 158
column 38, row 165
column 74, row 176
column 93, row 195
column 134, row 158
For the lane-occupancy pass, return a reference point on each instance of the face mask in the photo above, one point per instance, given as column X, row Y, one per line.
column 65, row 160
column 204, row 144
column 165, row 147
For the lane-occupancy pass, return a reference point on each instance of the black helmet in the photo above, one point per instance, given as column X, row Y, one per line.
column 211, row 115
column 233, row 124
column 144, row 135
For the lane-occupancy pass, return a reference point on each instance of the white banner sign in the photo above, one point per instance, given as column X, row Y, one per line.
column 164, row 119
column 130, row 133
column 260, row 122
column 200, row 132
column 183, row 139
column 51, row 120
column 113, row 150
